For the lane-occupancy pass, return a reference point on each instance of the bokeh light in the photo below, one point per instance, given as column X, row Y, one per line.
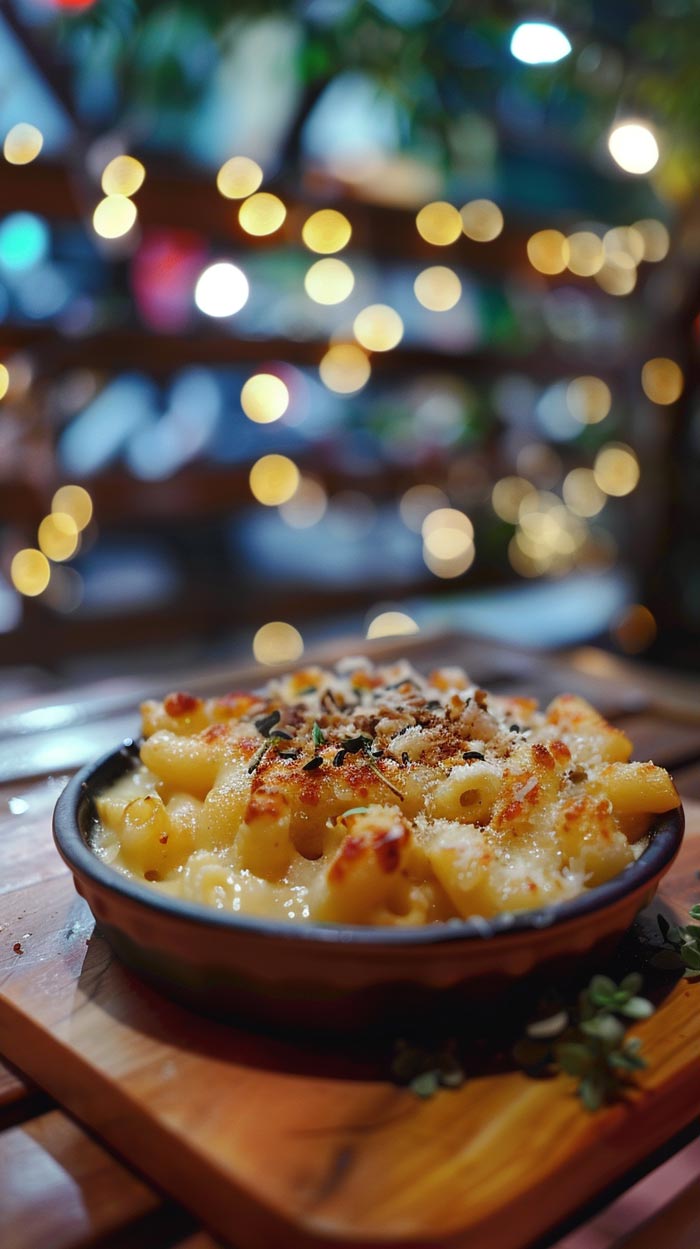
column 221, row 290
column 582, row 494
column 239, row 177
column 662, row 380
column 123, row 176
column 539, row 43
column 418, row 502
column 437, row 288
column 264, row 398
column 439, row 223
column 616, row 469
column 24, row 241
column 23, row 144
column 586, row 254
column 634, row 629
column 30, row 572
column 508, row 494
column 633, row 146
column 114, row 216
column 588, row 399
column 307, row 505
column 448, row 542
column 626, row 240
column 262, row 214
column 548, row 251
column 273, row 479
column 655, row 236
column 75, row 502
column 482, row 220
column 390, row 624
column 58, row 536
column 278, row 643
column 378, row 328
column 345, row 368
column 4, row 380
column 618, row 276
column 326, row 231
column 329, row 281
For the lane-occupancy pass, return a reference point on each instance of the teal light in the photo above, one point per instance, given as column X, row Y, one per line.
column 24, row 241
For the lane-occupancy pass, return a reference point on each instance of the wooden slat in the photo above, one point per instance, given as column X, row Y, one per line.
column 60, row 1189
column 669, row 743
column 658, row 1212
column 675, row 1227
column 12, row 1087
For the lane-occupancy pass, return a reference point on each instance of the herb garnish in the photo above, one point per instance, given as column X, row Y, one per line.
column 681, row 946
column 354, row 811
column 262, row 750
column 589, row 1042
column 425, row 1071
column 268, row 722
column 318, row 734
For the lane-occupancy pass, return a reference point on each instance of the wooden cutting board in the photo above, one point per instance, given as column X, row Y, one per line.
column 274, row 1145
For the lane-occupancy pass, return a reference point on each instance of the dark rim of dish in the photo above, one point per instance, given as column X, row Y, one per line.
column 75, row 814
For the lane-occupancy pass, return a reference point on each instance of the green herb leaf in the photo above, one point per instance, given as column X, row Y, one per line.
column 604, row 1028
column 691, row 957
column 637, row 1008
column 592, row 1091
column 573, row 1057
column 354, row 811
column 632, row 984
column 602, row 990
column 694, row 911
column 425, row 1084
column 318, row 734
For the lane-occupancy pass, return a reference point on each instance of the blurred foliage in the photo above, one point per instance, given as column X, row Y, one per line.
column 437, row 59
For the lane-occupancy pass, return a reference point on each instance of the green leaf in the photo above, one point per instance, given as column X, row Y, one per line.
column 624, row 1061
column 637, row 1008
column 354, row 811
column 318, row 734
column 604, row 1028
column 573, row 1058
column 691, row 957
column 591, row 1090
column 602, row 990
column 632, row 983
column 425, row 1084
column 694, row 911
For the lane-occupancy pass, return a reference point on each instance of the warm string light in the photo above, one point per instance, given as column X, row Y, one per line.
column 616, row 469
column 439, row 223
column 345, row 368
column 30, row 572
column 662, row 380
column 239, row 177
column 23, row 144
column 448, row 542
column 482, row 220
column 307, row 505
column 389, row 624
column 273, row 480
column 261, row 214
column 378, row 328
column 633, row 146
column 548, row 251
column 326, row 231
column 114, row 216
column 74, row 501
column 278, row 643
column 4, row 380
column 264, row 398
column 58, row 536
column 437, row 288
column 329, row 281
column 123, row 176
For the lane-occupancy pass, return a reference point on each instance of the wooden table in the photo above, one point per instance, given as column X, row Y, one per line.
column 60, row 1188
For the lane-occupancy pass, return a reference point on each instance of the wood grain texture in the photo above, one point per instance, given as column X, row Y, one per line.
column 61, row 1190
column 270, row 1145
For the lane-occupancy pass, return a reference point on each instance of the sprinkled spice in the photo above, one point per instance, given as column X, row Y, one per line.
column 318, row 734
column 18, row 948
column 288, row 754
column 470, row 755
column 514, row 728
column 268, row 722
column 404, row 758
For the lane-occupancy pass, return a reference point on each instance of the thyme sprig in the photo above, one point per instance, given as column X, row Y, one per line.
column 589, row 1042
column 424, row 1071
column 681, row 950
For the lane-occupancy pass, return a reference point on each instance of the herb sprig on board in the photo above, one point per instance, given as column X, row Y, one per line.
column 589, row 1041
column 681, row 948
